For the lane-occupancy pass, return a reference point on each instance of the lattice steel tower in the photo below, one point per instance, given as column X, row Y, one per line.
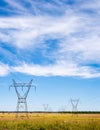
column 22, row 103
column 74, row 103
column 46, row 107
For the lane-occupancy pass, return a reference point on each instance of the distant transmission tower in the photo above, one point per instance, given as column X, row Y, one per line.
column 74, row 103
column 62, row 108
column 46, row 107
column 22, row 103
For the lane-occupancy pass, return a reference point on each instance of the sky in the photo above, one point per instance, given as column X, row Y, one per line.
column 57, row 44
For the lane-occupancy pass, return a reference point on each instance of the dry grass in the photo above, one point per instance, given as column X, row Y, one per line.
column 53, row 121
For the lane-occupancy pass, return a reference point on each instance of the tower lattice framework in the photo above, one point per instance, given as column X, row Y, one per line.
column 74, row 103
column 22, row 103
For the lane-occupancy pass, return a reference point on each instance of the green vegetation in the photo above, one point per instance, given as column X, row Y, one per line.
column 53, row 121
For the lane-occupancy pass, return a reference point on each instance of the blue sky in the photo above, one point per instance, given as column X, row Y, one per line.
column 56, row 43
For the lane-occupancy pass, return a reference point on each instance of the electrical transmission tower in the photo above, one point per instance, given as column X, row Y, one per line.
column 62, row 108
column 46, row 106
column 74, row 103
column 22, row 90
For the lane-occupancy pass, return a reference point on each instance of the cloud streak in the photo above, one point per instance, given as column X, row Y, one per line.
column 22, row 31
column 4, row 69
column 57, row 70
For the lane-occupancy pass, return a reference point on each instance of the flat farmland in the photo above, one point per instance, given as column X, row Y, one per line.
column 49, row 121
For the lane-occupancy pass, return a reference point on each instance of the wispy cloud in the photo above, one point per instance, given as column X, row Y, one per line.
column 15, row 7
column 57, row 70
column 24, row 32
column 4, row 69
column 76, row 30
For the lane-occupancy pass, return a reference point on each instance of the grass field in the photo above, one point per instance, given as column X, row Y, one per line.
column 50, row 121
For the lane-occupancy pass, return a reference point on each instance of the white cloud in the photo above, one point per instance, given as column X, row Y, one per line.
column 78, row 31
column 57, row 70
column 4, row 69
column 23, row 32
column 81, row 50
column 4, row 37
column 93, row 5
